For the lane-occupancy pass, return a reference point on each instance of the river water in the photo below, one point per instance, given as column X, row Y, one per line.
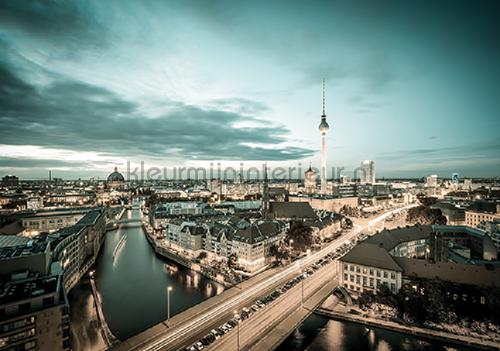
column 133, row 284
column 318, row 333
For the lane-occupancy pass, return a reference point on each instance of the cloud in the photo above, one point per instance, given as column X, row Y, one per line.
column 73, row 115
column 52, row 20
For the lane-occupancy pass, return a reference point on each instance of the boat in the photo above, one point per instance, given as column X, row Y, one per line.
column 120, row 244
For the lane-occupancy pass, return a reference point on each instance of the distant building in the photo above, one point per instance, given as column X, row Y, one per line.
column 327, row 203
column 467, row 185
column 474, row 218
column 431, row 181
column 115, row 179
column 367, row 171
column 310, row 181
column 345, row 179
column 10, row 181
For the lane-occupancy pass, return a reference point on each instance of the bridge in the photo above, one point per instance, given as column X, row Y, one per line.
column 266, row 328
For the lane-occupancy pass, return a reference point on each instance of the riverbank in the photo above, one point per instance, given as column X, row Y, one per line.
column 168, row 253
column 339, row 311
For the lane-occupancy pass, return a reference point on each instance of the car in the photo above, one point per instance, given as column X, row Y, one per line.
column 210, row 338
column 205, row 341
column 220, row 331
column 215, row 333
column 232, row 323
column 199, row 346
column 190, row 348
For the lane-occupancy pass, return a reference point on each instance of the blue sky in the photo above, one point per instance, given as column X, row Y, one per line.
column 89, row 85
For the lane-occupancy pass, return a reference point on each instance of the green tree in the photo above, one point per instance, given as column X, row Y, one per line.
column 301, row 235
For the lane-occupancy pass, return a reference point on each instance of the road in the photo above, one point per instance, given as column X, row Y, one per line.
column 254, row 330
column 182, row 334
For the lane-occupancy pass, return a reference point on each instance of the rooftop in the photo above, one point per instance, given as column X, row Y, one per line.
column 16, row 291
column 371, row 255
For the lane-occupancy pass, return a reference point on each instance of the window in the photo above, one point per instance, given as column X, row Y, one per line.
column 346, row 276
column 358, row 270
column 371, row 271
column 378, row 274
column 393, row 275
column 385, row 274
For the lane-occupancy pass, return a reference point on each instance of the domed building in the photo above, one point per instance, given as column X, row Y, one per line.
column 115, row 179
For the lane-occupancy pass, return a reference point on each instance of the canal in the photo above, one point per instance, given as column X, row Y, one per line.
column 132, row 286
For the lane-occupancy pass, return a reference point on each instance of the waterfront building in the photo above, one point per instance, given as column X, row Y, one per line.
column 51, row 220
column 367, row 171
column 34, row 310
column 187, row 235
column 34, row 313
column 456, row 254
column 76, row 247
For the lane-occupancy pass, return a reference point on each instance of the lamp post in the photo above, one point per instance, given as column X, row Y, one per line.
column 237, row 330
column 302, row 288
column 169, row 289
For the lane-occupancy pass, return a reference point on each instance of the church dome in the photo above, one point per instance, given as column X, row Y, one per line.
column 116, row 177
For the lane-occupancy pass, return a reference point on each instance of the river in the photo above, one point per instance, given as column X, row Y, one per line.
column 319, row 333
column 132, row 287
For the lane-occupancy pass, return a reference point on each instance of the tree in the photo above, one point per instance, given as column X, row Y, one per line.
column 232, row 261
column 425, row 215
column 365, row 299
column 347, row 210
column 300, row 234
column 278, row 253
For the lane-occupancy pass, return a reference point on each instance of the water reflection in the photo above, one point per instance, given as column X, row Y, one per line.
column 133, row 286
column 319, row 333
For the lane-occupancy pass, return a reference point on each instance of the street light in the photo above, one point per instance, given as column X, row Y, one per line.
column 302, row 293
column 169, row 289
column 237, row 330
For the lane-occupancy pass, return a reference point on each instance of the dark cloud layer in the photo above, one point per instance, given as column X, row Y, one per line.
column 77, row 116
column 54, row 21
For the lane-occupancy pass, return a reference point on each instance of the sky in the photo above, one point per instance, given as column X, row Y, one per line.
column 89, row 85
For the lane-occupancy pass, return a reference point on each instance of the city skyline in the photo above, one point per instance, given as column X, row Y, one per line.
column 86, row 88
